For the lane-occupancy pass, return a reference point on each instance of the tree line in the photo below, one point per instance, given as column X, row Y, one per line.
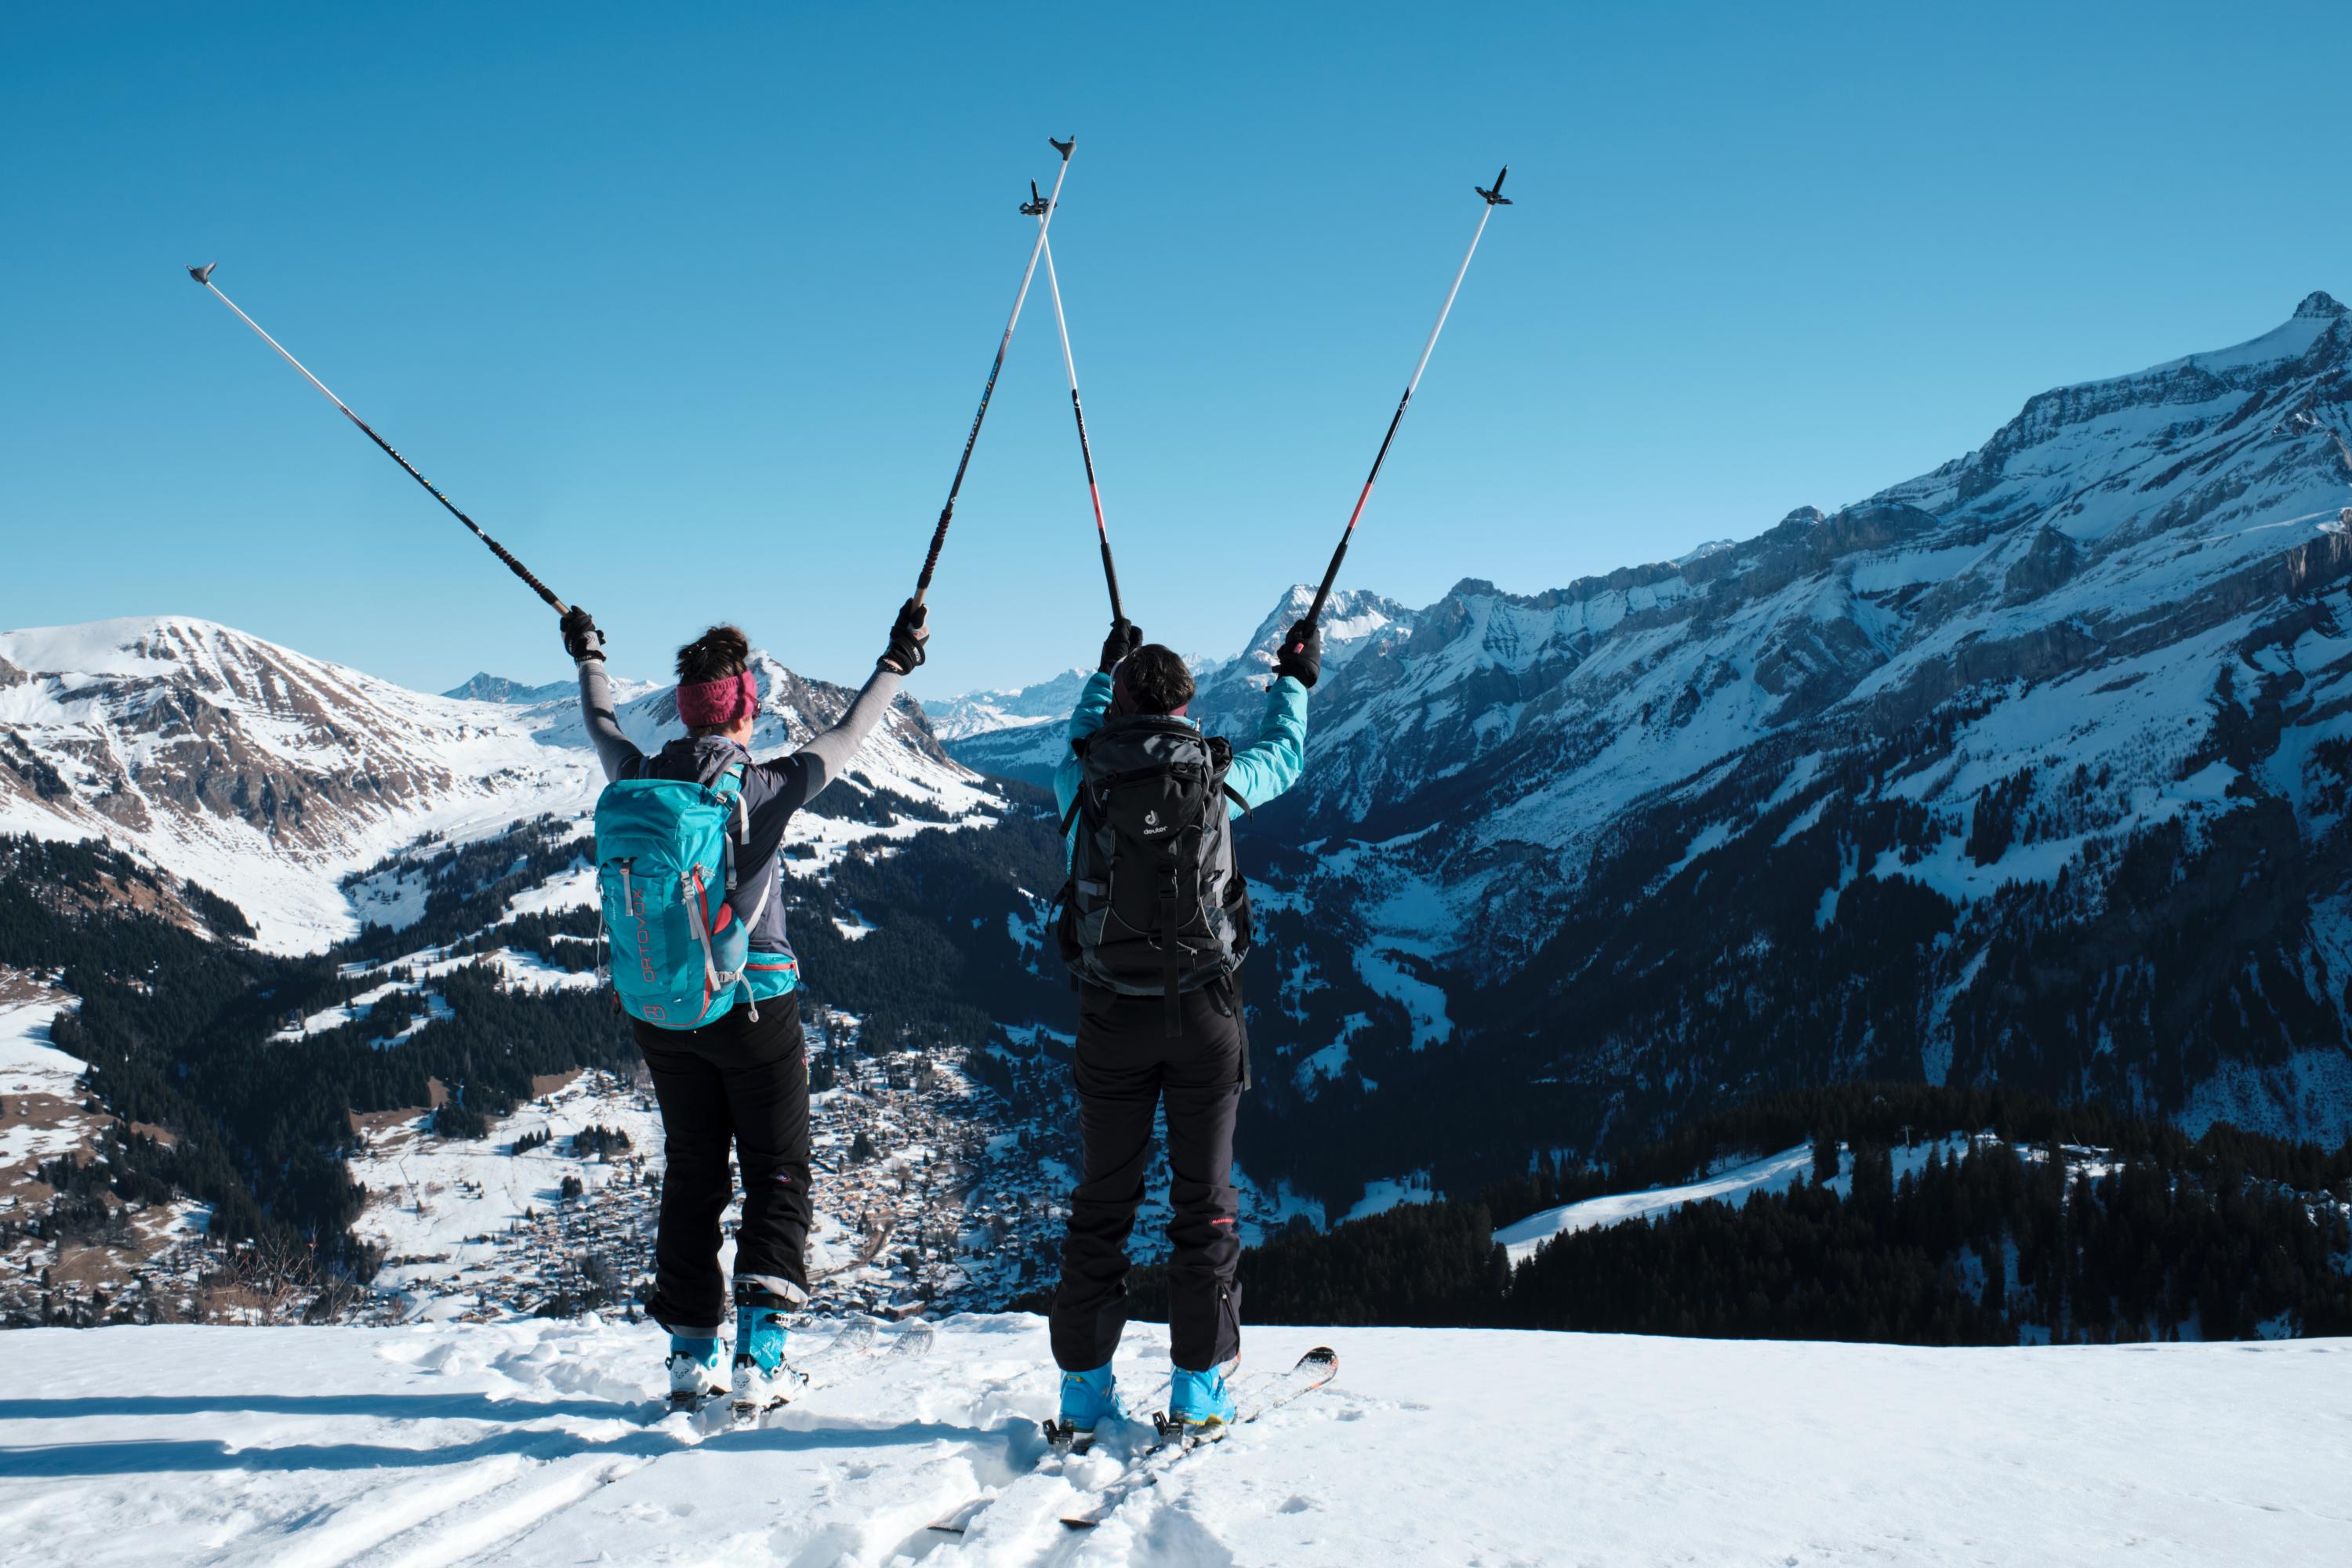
column 2152, row 1236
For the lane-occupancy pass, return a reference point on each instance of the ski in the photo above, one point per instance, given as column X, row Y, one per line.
column 1063, row 1445
column 1064, row 1440
column 1315, row 1368
column 848, row 1354
column 1164, row 1449
column 830, row 1368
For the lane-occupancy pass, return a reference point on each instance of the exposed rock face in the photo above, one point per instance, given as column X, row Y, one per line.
column 177, row 720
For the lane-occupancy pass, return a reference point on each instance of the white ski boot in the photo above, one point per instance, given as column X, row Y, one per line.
column 762, row 1381
column 694, row 1371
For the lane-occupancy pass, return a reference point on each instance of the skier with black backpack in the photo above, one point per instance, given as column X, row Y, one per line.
column 688, row 868
column 1154, row 925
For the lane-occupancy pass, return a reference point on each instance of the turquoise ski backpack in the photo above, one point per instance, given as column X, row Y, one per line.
column 665, row 866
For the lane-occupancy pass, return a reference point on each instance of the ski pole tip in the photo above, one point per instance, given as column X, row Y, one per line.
column 202, row 274
column 1494, row 194
column 1064, row 148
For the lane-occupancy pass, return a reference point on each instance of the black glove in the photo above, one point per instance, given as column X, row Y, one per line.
column 1300, row 656
column 908, row 635
column 580, row 638
column 1125, row 638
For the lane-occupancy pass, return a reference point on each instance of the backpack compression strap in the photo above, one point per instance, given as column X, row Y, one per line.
column 734, row 773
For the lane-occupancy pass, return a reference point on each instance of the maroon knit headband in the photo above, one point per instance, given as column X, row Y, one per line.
column 720, row 702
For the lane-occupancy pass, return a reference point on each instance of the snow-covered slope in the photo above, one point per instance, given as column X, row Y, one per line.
column 985, row 712
column 539, row 1444
column 270, row 777
column 1772, row 1174
column 257, row 770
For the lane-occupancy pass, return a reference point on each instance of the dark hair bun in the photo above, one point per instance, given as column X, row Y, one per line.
column 1155, row 676
column 717, row 654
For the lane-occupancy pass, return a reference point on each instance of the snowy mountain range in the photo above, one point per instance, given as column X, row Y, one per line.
column 270, row 777
column 252, row 769
column 2032, row 770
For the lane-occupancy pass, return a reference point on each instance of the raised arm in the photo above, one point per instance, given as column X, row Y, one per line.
column 823, row 758
column 1273, row 763
column 1094, row 701
column 801, row 775
column 585, row 644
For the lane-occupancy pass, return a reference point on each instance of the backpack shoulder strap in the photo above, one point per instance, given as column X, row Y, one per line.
column 733, row 774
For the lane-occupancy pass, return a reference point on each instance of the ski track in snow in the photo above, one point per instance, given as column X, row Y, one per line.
column 539, row 1443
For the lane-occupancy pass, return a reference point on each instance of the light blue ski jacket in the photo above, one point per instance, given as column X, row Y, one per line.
column 1267, row 766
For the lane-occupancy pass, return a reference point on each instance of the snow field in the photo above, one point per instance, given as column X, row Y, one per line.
column 1735, row 1184
column 1774, row 1173
column 53, row 1124
column 539, row 1443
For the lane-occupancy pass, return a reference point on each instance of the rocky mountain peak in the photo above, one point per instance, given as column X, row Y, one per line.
column 2320, row 305
column 484, row 687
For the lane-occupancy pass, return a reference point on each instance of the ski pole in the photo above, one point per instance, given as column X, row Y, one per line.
column 1493, row 198
column 204, row 276
column 1085, row 452
column 1042, row 209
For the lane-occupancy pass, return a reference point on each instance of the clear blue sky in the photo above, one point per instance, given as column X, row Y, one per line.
column 690, row 307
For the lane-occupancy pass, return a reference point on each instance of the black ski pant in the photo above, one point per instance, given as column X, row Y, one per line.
column 1127, row 1063
column 742, row 1086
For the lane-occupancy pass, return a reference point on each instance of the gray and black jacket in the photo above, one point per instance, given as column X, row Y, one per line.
column 773, row 790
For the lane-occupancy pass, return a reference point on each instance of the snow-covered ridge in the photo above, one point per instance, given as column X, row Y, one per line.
column 985, row 712
column 269, row 776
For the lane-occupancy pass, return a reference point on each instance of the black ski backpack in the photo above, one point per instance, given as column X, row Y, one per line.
column 1155, row 905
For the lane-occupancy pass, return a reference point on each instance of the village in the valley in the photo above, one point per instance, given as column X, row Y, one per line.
column 926, row 1200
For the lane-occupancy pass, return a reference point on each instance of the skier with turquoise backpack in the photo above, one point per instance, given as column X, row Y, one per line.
column 688, row 870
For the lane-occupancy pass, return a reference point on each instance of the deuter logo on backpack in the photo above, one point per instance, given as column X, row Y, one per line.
column 1155, row 905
